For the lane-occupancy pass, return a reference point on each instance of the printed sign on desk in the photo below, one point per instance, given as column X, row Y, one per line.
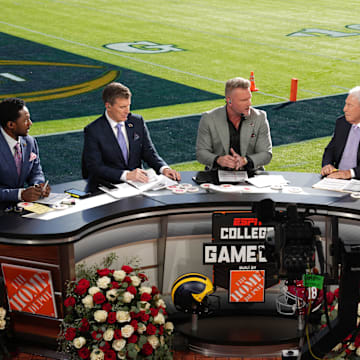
column 247, row 286
column 29, row 290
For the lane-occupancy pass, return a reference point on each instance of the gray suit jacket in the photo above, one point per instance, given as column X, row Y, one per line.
column 213, row 137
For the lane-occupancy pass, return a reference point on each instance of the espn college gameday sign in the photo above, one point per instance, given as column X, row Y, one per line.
column 237, row 254
column 29, row 290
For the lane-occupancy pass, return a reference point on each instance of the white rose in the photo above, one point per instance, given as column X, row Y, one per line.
column 2, row 324
column 160, row 303
column 119, row 275
column 358, row 310
column 2, row 313
column 123, row 316
column 108, row 335
column 357, row 352
column 144, row 305
column 88, row 302
column 93, row 290
column 97, row 354
column 352, row 347
column 111, row 295
column 103, row 282
column 141, row 328
column 127, row 297
column 118, row 345
column 79, row 342
column 337, row 347
column 169, row 327
column 159, row 319
column 127, row 331
column 100, row 315
column 145, row 289
column 153, row 341
column 135, row 280
column 121, row 355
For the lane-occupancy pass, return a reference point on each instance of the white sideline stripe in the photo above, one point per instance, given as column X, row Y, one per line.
column 207, row 32
column 340, row 87
column 124, row 56
column 310, row 91
column 11, row 77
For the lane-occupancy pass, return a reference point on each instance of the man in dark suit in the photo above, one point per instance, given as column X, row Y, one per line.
column 341, row 159
column 19, row 155
column 116, row 143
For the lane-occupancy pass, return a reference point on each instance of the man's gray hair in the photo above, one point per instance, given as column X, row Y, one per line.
column 235, row 83
column 355, row 92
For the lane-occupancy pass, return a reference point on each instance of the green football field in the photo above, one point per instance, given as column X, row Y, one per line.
column 201, row 44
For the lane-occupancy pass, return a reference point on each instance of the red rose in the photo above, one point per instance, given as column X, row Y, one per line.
column 84, row 282
column 134, row 324
column 70, row 334
column 336, row 292
column 145, row 297
column 147, row 349
column 111, row 317
column 105, row 347
column 110, row 355
column 330, row 297
column 70, row 301
column 154, row 312
column 85, row 326
column 97, row 335
column 164, row 312
column 107, row 307
column 143, row 277
column 131, row 290
column 154, row 290
column 127, row 269
column 143, row 316
column 99, row 298
column 132, row 339
column 103, row 272
column 134, row 315
column 84, row 352
column 357, row 340
column 115, row 285
column 161, row 330
column 151, row 329
column 127, row 279
column 82, row 287
column 348, row 351
column 117, row 334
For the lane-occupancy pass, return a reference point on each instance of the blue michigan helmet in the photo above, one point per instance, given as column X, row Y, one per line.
column 190, row 290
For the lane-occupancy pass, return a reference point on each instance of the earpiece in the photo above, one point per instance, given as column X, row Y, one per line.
column 229, row 101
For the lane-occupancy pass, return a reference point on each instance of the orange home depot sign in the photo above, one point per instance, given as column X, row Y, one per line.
column 29, row 290
column 247, row 286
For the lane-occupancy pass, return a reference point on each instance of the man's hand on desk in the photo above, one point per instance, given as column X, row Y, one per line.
column 327, row 169
column 137, row 175
column 172, row 174
column 228, row 161
column 32, row 193
column 240, row 161
column 340, row 174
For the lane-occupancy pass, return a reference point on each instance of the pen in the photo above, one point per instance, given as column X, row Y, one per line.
column 334, row 170
column 44, row 187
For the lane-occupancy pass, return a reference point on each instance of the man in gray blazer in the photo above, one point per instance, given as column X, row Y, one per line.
column 235, row 136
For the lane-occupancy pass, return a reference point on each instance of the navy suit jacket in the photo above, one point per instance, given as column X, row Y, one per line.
column 102, row 157
column 31, row 172
column 333, row 152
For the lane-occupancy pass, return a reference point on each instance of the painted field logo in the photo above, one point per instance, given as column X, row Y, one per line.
column 142, row 47
column 331, row 33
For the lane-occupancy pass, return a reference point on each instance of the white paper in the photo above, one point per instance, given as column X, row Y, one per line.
column 232, row 176
column 156, row 182
column 53, row 199
column 267, row 180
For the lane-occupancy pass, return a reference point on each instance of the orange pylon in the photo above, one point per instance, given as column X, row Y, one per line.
column 252, row 82
column 293, row 90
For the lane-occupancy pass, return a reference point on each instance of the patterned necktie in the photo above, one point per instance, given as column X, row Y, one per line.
column 17, row 157
column 122, row 142
column 349, row 156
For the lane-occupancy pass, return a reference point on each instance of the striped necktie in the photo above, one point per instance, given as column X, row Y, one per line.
column 122, row 142
column 18, row 158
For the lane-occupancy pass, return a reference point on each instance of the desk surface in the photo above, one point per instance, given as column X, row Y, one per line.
column 15, row 229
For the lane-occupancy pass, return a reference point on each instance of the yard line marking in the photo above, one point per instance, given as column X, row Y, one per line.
column 340, row 87
column 123, row 56
column 310, row 91
column 12, row 77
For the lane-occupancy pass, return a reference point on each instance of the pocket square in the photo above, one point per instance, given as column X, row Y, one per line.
column 33, row 156
column 136, row 137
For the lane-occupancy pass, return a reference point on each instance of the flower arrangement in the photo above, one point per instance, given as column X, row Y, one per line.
column 3, row 334
column 349, row 348
column 112, row 314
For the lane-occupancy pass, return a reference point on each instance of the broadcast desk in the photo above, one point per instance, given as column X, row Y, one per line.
column 165, row 230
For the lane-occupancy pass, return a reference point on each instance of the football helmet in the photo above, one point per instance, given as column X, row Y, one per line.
column 189, row 292
column 295, row 298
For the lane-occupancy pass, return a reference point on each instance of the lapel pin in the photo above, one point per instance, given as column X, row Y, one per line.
column 130, row 125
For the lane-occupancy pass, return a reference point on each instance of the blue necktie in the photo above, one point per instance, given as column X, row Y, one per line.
column 122, row 142
column 349, row 156
column 18, row 158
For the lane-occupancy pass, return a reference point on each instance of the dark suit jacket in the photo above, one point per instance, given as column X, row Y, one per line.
column 333, row 152
column 31, row 172
column 102, row 157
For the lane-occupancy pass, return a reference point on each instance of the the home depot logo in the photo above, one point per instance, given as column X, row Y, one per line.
column 247, row 286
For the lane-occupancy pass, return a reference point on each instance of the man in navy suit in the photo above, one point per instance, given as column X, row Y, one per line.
column 116, row 143
column 19, row 155
column 341, row 159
